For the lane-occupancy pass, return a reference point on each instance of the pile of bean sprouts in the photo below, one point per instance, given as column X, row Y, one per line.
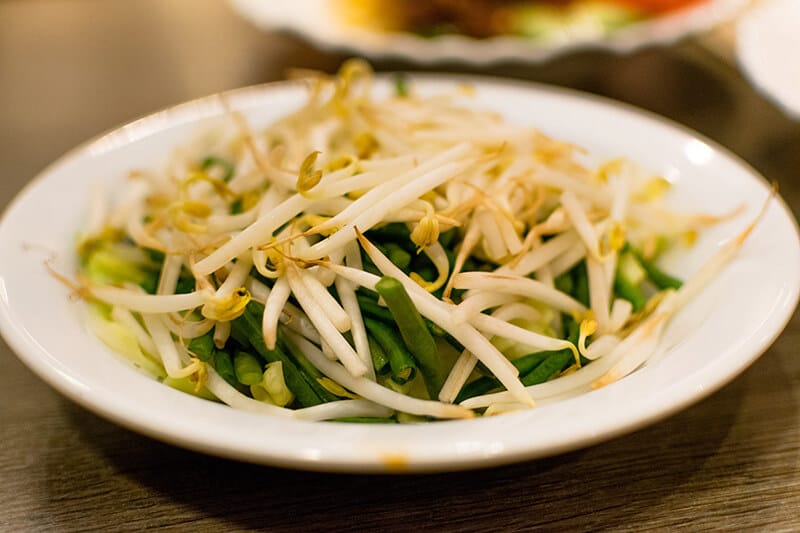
column 285, row 222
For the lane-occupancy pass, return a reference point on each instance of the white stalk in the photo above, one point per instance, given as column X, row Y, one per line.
column 187, row 329
column 581, row 223
column 342, row 409
column 516, row 310
column 598, row 293
column 147, row 303
column 170, row 272
column 322, row 323
column 601, row 346
column 479, row 302
column 458, row 376
column 333, row 309
column 566, row 261
column 542, row 255
column 375, row 212
column 237, row 276
column 493, row 326
column 126, row 318
column 519, row 286
column 621, row 311
column 254, row 235
column 275, row 302
column 347, row 294
column 374, row 392
column 165, row 346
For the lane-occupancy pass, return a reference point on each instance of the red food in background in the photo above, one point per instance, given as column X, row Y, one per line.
column 659, row 6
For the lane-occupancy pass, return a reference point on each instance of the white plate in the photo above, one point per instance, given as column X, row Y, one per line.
column 713, row 340
column 316, row 21
column 766, row 37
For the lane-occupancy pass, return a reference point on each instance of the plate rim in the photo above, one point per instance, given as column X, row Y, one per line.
column 646, row 414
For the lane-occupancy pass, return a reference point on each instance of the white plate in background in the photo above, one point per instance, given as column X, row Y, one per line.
column 767, row 44
column 711, row 341
column 316, row 21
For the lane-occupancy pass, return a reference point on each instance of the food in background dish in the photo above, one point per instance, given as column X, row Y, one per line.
column 539, row 19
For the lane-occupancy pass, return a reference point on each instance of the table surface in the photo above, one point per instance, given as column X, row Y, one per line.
column 72, row 68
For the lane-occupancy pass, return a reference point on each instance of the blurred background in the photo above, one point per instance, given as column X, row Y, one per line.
column 71, row 69
column 74, row 68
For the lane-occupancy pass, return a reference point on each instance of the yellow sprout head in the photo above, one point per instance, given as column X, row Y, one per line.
column 227, row 308
column 426, row 232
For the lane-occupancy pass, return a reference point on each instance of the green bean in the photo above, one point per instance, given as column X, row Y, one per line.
column 308, row 371
column 372, row 309
column 248, row 326
column 224, row 367
column 556, row 362
column 392, row 232
column 416, row 335
column 581, row 284
column 660, row 279
column 447, row 238
column 400, row 86
column 379, row 358
column 565, row 283
column 237, row 207
column 211, row 161
column 629, row 291
column 401, row 362
column 248, row 368
column 186, row 284
column 397, row 255
column 528, row 366
column 203, row 347
column 486, row 384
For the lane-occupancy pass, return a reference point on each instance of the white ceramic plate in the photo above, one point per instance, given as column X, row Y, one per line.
column 766, row 38
column 710, row 342
column 316, row 21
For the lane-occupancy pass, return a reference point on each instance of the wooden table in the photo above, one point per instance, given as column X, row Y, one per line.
column 72, row 68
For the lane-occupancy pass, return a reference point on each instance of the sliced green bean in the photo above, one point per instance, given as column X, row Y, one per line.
column 447, row 238
column 391, row 232
column 237, row 207
column 308, row 371
column 371, row 308
column 400, row 86
column 186, row 284
column 555, row 363
column 380, row 360
column 203, row 347
column 248, row 368
column 565, row 283
column 528, row 366
column 486, row 384
column 414, row 332
column 581, row 284
column 248, row 326
column 626, row 290
column 397, row 255
column 224, row 367
column 660, row 279
column 402, row 363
